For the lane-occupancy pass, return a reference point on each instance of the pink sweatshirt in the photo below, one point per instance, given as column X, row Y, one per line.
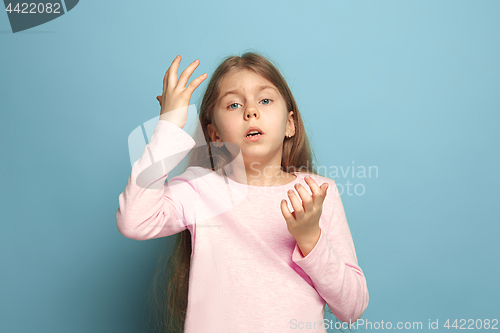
column 247, row 273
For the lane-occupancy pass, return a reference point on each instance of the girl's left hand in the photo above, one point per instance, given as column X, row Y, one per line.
column 303, row 222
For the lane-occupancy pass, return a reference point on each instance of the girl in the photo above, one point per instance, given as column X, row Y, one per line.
column 243, row 261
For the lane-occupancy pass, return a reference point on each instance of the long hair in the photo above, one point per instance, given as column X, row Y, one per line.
column 170, row 302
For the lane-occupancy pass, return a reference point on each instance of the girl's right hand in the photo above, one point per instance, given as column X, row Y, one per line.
column 175, row 98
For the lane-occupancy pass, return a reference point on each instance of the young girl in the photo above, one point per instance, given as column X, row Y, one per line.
column 261, row 245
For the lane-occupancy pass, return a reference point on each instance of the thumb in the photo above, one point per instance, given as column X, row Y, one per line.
column 324, row 187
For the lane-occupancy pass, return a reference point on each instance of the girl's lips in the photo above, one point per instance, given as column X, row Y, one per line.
column 254, row 137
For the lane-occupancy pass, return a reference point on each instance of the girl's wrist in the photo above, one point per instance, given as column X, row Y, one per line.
column 307, row 243
column 168, row 117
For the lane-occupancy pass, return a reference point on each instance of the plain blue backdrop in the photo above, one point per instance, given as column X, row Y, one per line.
column 411, row 87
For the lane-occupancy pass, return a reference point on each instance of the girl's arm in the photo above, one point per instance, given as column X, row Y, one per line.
column 148, row 207
column 333, row 267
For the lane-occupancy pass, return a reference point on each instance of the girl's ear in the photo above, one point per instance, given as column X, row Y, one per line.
column 210, row 131
column 213, row 133
column 290, row 124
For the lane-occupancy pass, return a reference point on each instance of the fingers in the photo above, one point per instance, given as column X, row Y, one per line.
column 318, row 193
column 186, row 74
column 165, row 79
column 324, row 187
column 296, row 204
column 307, row 200
column 170, row 82
column 195, row 83
column 172, row 74
column 286, row 212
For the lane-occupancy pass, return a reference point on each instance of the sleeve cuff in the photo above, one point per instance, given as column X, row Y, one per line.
column 167, row 128
column 169, row 140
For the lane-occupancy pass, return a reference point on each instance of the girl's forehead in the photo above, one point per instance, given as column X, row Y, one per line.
column 246, row 79
column 242, row 77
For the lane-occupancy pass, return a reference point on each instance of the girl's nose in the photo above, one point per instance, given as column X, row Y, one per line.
column 251, row 111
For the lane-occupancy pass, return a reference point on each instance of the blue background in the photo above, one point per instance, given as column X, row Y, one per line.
column 411, row 87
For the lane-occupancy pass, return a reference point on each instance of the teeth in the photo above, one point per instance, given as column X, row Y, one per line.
column 253, row 132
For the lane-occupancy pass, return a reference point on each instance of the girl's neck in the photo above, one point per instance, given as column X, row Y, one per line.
column 267, row 176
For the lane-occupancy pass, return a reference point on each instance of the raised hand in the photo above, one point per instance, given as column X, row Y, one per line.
column 175, row 98
column 303, row 222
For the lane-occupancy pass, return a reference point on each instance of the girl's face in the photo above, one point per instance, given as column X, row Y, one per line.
column 246, row 99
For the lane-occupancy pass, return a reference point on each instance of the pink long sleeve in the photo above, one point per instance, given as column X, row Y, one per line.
column 333, row 267
column 152, row 210
column 245, row 266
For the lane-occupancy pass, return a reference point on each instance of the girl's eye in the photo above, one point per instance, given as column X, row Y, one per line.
column 265, row 99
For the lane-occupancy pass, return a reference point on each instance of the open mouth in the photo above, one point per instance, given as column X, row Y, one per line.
column 253, row 133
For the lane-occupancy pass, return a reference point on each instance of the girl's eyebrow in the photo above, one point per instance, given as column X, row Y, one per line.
column 257, row 89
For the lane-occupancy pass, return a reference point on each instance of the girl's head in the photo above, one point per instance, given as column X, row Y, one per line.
column 246, row 91
column 245, row 100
